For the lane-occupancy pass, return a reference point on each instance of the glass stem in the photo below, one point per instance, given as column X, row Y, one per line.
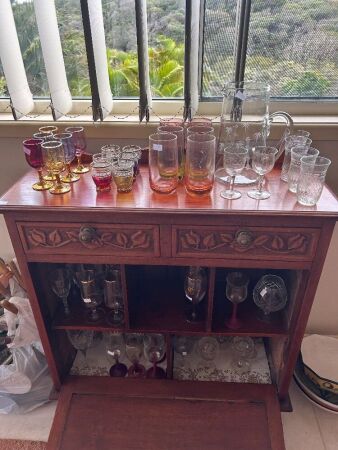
column 68, row 169
column 260, row 183
column 41, row 180
column 58, row 180
column 232, row 182
column 78, row 158
column 65, row 305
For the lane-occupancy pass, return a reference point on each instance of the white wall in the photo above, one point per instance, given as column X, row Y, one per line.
column 324, row 315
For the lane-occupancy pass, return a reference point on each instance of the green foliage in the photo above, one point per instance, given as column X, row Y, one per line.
column 3, row 87
column 310, row 84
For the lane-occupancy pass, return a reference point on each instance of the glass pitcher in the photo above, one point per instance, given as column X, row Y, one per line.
column 245, row 120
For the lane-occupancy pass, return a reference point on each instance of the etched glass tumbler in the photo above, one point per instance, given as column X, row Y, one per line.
column 311, row 179
column 297, row 153
column 200, row 163
column 291, row 141
column 163, row 162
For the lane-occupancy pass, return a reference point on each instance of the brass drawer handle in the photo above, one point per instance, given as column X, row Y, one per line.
column 244, row 238
column 87, row 234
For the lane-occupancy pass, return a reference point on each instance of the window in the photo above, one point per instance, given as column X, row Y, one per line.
column 290, row 44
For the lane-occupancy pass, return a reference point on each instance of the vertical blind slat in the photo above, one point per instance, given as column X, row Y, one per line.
column 191, row 58
column 100, row 56
column 97, row 111
column 46, row 20
column 143, row 58
column 12, row 63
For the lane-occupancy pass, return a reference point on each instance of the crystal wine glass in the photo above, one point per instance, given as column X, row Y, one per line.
column 54, row 159
column 236, row 292
column 67, row 141
column 79, row 141
column 243, row 351
column 154, row 349
column 113, row 298
column 195, row 288
column 33, row 155
column 207, row 348
column 134, row 351
column 81, row 340
column 85, row 280
column 60, row 280
column 263, row 160
column 115, row 346
column 235, row 159
column 183, row 346
column 270, row 295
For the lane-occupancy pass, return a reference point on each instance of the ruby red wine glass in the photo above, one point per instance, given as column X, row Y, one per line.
column 33, row 155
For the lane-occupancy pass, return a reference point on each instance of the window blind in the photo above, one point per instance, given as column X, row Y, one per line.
column 12, row 63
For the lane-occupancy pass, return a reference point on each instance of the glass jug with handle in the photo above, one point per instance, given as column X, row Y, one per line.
column 245, row 120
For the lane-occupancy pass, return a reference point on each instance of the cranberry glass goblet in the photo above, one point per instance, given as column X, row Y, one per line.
column 33, row 154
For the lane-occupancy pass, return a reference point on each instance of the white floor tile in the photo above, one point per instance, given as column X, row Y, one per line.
column 328, row 424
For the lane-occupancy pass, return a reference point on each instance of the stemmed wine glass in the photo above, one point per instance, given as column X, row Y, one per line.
column 54, row 159
column 46, row 133
column 236, row 292
column 85, row 280
column 195, row 288
column 81, row 340
column 243, row 350
column 207, row 348
column 183, row 346
column 60, row 280
column 113, row 297
column 235, row 159
column 263, row 160
column 69, row 149
column 79, row 141
column 115, row 347
column 154, row 349
column 33, row 155
column 134, row 351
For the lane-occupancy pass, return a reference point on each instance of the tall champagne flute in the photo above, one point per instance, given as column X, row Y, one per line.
column 54, row 160
column 263, row 160
column 69, row 148
column 79, row 141
column 235, row 159
column 33, row 155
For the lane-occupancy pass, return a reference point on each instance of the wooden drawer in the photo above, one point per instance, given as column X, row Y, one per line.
column 246, row 243
column 101, row 239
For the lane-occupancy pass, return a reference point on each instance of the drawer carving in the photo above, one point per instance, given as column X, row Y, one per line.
column 270, row 242
column 103, row 239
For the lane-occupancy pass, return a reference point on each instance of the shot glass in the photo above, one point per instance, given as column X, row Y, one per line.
column 111, row 152
column 102, row 175
column 136, row 151
column 123, row 176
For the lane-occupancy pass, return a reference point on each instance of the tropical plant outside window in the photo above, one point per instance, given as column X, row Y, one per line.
column 292, row 44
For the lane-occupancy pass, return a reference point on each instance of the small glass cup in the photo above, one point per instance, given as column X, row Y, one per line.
column 297, row 153
column 111, row 152
column 79, row 141
column 163, row 162
column 54, row 160
column 311, row 179
column 200, row 163
column 123, row 176
column 66, row 139
column 132, row 150
column 33, row 155
column 291, row 141
column 102, row 175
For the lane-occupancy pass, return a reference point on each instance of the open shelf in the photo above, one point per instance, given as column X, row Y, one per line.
column 156, row 300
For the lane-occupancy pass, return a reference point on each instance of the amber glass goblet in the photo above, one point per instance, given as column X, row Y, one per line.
column 54, row 160
column 79, row 142
column 33, row 154
column 68, row 146
column 46, row 136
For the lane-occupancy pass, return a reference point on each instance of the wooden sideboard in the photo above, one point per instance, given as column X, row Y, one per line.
column 153, row 237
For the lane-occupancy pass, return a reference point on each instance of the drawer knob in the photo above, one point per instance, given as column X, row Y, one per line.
column 87, row 234
column 244, row 238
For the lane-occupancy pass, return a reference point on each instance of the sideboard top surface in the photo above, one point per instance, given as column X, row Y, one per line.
column 83, row 196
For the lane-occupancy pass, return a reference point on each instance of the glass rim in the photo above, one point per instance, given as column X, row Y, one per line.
column 320, row 161
column 166, row 137
column 201, row 137
column 133, row 147
column 173, row 129
column 267, row 149
column 100, row 165
column 43, row 133
column 32, row 141
column 237, row 150
column 65, row 135
column 74, row 129
column 190, row 131
column 50, row 128
column 51, row 144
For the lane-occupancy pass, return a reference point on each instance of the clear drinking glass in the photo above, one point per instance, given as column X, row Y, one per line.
column 134, row 153
column 123, row 174
column 68, row 146
column 134, row 351
column 102, row 175
column 297, row 153
column 115, row 347
column 311, row 179
column 111, row 152
column 236, row 292
column 79, row 141
column 61, row 281
column 163, row 162
column 154, row 349
column 33, row 154
column 200, row 163
column 179, row 132
column 291, row 141
column 263, row 160
column 54, row 160
column 235, row 159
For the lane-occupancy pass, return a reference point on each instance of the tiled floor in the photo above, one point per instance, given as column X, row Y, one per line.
column 307, row 428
